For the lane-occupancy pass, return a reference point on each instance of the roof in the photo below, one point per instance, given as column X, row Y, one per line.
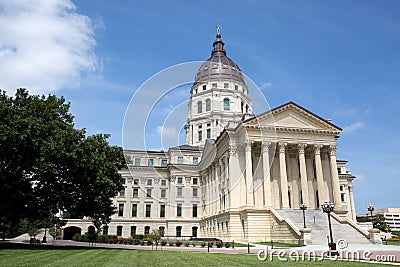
column 187, row 147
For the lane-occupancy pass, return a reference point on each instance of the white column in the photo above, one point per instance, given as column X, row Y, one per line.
column 128, row 196
column 217, row 182
column 353, row 209
column 303, row 174
column 235, row 178
column 320, row 176
column 283, row 174
column 266, row 174
column 335, row 177
column 249, row 175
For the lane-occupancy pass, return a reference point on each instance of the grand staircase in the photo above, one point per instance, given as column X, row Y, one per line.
column 317, row 221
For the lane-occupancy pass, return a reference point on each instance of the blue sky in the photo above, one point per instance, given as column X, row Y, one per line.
column 339, row 59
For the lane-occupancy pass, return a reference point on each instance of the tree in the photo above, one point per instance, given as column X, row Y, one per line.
column 380, row 223
column 47, row 165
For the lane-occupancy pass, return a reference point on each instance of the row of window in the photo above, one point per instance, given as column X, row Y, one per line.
column 147, row 230
column 150, row 162
column 227, row 105
column 215, row 85
column 149, row 182
column 163, row 192
column 134, row 212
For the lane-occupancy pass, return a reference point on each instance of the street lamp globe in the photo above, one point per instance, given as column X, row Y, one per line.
column 327, row 207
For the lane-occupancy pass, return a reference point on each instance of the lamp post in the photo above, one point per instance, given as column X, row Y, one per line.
column 328, row 208
column 303, row 207
column 371, row 209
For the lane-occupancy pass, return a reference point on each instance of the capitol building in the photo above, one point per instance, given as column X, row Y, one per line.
column 239, row 176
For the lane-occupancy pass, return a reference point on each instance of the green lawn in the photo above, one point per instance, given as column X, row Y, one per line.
column 25, row 255
column 395, row 243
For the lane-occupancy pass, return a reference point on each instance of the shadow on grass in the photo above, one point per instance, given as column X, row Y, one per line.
column 8, row 245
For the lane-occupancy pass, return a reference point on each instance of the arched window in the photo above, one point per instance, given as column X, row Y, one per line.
column 208, row 105
column 194, row 231
column 199, row 107
column 227, row 104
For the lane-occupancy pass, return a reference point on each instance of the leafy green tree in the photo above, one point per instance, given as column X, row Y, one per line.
column 47, row 165
column 381, row 224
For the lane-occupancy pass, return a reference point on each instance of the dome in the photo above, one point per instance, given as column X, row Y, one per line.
column 219, row 66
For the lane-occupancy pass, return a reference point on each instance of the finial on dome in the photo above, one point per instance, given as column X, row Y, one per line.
column 219, row 27
column 218, row 43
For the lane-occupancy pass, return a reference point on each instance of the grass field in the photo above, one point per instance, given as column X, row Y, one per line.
column 24, row 255
column 280, row 245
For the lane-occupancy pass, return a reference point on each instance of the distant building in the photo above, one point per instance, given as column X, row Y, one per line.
column 239, row 176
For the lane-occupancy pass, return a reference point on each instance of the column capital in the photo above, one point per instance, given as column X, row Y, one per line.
column 129, row 179
column 301, row 148
column 248, row 144
column 265, row 146
column 332, row 150
column 232, row 150
column 282, row 147
column 317, row 149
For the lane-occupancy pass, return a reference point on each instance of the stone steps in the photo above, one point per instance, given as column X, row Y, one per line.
column 317, row 221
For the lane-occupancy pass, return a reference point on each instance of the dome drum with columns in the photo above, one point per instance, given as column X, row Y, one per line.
column 238, row 177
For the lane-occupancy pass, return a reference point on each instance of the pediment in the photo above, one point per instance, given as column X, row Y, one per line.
column 292, row 116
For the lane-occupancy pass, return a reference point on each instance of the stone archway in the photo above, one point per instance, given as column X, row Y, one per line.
column 70, row 231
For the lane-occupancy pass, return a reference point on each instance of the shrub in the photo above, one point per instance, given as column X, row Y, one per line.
column 76, row 237
column 203, row 244
column 393, row 239
column 210, row 244
column 193, row 244
column 149, row 242
column 83, row 238
column 178, row 243
column 219, row 244
column 135, row 241
column 186, row 244
column 142, row 242
column 227, row 244
column 171, row 243
column 163, row 242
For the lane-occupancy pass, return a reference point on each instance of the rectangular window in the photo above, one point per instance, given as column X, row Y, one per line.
column 339, row 170
column 149, row 182
column 135, row 192
column 137, row 162
column 341, row 188
column 134, row 210
column 208, row 133
column 179, row 191
column 105, row 230
column 136, row 181
column 163, row 163
column 226, row 85
column 194, row 210
column 195, row 180
column 180, row 180
column 147, row 230
column 236, row 87
column 121, row 210
column 163, row 192
column 195, row 192
column 148, row 192
column 195, row 160
column 122, row 192
column 214, row 85
column 204, row 87
column 179, row 210
column 119, row 230
column 150, row 162
column 342, row 197
column 209, row 124
column 180, row 160
column 148, row 210
column 163, row 182
column 133, row 231
column 162, row 211
column 200, row 133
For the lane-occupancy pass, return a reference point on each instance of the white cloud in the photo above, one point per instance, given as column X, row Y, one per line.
column 353, row 127
column 44, row 45
column 167, row 132
column 265, row 85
